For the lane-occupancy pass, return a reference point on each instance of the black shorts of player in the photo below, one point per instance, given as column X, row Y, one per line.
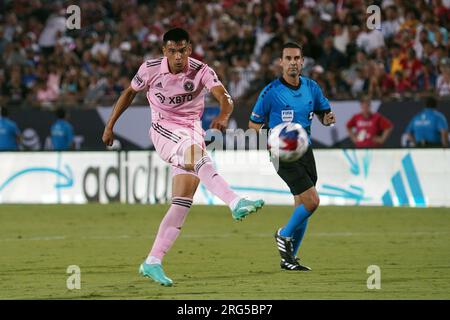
column 299, row 175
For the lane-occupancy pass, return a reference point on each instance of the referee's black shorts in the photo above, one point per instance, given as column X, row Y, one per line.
column 299, row 175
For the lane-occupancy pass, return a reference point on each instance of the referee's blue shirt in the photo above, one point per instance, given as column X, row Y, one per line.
column 281, row 102
column 8, row 135
column 61, row 135
column 427, row 125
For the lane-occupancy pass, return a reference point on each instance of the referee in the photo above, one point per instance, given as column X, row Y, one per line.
column 429, row 128
column 294, row 98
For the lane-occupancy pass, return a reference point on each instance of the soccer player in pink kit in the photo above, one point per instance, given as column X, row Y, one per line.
column 176, row 85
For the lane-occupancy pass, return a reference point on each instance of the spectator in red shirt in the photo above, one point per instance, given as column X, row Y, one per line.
column 368, row 129
column 412, row 67
column 387, row 83
column 402, row 85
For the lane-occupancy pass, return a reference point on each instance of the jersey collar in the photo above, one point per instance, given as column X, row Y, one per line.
column 289, row 85
column 164, row 66
column 164, row 69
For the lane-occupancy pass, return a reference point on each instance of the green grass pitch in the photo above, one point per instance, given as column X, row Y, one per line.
column 218, row 258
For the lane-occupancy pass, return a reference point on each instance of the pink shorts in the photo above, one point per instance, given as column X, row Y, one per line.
column 172, row 139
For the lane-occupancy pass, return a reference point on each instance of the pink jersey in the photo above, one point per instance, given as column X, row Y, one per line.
column 178, row 97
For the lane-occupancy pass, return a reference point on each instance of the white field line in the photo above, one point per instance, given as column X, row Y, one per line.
column 229, row 235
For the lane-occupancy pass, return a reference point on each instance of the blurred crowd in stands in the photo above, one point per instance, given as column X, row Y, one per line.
column 43, row 64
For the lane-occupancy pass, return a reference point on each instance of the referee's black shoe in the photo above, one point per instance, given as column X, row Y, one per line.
column 293, row 266
column 285, row 248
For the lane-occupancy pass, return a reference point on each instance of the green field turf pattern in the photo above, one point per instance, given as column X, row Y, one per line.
column 218, row 258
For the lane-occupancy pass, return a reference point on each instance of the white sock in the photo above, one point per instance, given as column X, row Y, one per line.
column 234, row 203
column 152, row 260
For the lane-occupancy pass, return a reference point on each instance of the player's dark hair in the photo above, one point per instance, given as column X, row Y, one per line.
column 60, row 113
column 430, row 102
column 291, row 45
column 176, row 35
column 4, row 112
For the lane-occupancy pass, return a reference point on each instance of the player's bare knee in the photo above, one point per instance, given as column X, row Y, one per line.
column 315, row 201
column 312, row 202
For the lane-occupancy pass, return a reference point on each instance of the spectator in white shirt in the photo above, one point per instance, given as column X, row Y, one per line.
column 391, row 23
column 443, row 80
column 369, row 40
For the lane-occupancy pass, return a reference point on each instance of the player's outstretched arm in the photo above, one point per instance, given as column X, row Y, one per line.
column 226, row 108
column 124, row 101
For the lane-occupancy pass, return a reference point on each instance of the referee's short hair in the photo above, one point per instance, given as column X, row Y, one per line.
column 291, row 45
column 3, row 112
column 60, row 113
column 431, row 102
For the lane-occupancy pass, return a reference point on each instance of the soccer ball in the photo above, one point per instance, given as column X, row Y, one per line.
column 288, row 142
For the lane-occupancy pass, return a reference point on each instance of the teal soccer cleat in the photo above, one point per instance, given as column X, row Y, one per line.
column 244, row 207
column 155, row 272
